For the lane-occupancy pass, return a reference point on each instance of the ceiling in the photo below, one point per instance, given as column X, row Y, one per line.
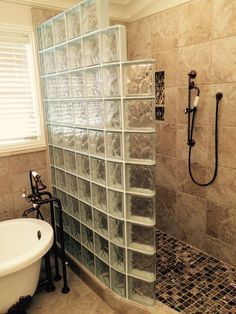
column 124, row 10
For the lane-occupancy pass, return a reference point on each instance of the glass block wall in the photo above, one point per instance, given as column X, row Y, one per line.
column 100, row 123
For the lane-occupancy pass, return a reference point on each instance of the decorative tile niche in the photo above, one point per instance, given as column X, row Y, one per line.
column 101, row 133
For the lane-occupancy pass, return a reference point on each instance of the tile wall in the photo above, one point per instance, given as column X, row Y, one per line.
column 200, row 35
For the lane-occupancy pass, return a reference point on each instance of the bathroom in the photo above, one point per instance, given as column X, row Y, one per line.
column 196, row 225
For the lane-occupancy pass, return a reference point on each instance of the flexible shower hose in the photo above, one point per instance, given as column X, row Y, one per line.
column 216, row 147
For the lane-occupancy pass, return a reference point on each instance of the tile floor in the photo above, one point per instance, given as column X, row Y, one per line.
column 191, row 281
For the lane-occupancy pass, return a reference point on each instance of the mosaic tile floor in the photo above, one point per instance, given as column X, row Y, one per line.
column 191, row 281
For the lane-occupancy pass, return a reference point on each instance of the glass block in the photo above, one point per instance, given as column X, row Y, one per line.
column 142, row 265
column 139, row 113
column 49, row 133
column 60, row 179
column 86, row 214
column 113, row 114
column 66, row 112
column 68, row 138
column 53, row 174
column 83, row 165
column 115, row 174
column 88, row 259
column 97, row 142
column 102, row 248
column 81, row 140
column 51, row 89
column 91, row 48
column 71, row 185
column 62, row 58
column 110, row 45
column 67, row 241
column 80, row 112
column 56, row 135
column 59, row 29
column 140, row 178
column 62, row 86
column 73, row 22
column 84, row 190
column 39, row 37
column 53, row 111
column 102, row 271
column 114, row 145
column 117, row 257
column 140, row 208
column 47, row 35
column 118, row 283
column 87, row 237
column 44, row 81
column 111, row 81
column 117, row 232
column 139, row 79
column 99, row 197
column 100, row 222
column 66, row 222
column 75, row 54
column 142, row 291
column 73, row 206
column 89, row 13
column 75, row 228
column 51, row 155
column 76, row 250
column 116, row 203
column 58, row 157
column 70, row 161
column 93, row 79
column 140, row 146
column 41, row 63
column 98, row 170
column 141, row 237
column 49, row 61
column 95, row 114
column 77, row 84
column 63, row 198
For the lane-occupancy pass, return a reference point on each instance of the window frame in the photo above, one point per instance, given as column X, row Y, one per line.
column 40, row 143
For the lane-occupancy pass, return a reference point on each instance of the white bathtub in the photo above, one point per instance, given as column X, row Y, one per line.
column 20, row 257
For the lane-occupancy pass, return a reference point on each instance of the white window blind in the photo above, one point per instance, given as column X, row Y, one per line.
column 19, row 113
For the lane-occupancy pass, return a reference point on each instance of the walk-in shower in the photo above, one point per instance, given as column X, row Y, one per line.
column 191, row 111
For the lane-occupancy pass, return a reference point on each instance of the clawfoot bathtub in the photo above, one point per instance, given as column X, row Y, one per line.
column 23, row 242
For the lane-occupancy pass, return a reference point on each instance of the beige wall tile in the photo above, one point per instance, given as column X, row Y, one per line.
column 184, row 182
column 191, row 211
column 166, row 172
column 5, row 185
column 6, row 203
column 167, row 225
column 222, row 191
column 20, row 181
column 224, row 17
column 19, row 163
column 166, row 61
column 195, row 22
column 191, row 236
column 20, row 204
column 226, row 116
column 182, row 138
column 221, row 223
column 38, row 160
column 166, row 139
column 164, row 33
column 197, row 57
column 166, row 203
column 224, row 60
column 139, row 39
column 171, row 100
column 226, row 146
column 221, row 250
column 4, row 166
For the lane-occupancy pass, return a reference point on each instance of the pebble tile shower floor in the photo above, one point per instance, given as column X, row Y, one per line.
column 192, row 282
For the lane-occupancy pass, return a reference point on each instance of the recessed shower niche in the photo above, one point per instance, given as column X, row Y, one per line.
column 99, row 111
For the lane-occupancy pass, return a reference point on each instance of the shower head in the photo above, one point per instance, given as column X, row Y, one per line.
column 192, row 74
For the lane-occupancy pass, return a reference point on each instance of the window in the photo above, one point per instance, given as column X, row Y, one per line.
column 20, row 114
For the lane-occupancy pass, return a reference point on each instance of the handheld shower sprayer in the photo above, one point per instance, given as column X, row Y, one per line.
column 189, row 110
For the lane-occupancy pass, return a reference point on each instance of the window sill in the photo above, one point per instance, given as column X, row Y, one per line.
column 12, row 151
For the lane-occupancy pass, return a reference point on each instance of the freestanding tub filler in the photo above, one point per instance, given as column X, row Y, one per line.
column 23, row 242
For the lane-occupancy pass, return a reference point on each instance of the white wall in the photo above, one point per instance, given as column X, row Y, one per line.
column 15, row 14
